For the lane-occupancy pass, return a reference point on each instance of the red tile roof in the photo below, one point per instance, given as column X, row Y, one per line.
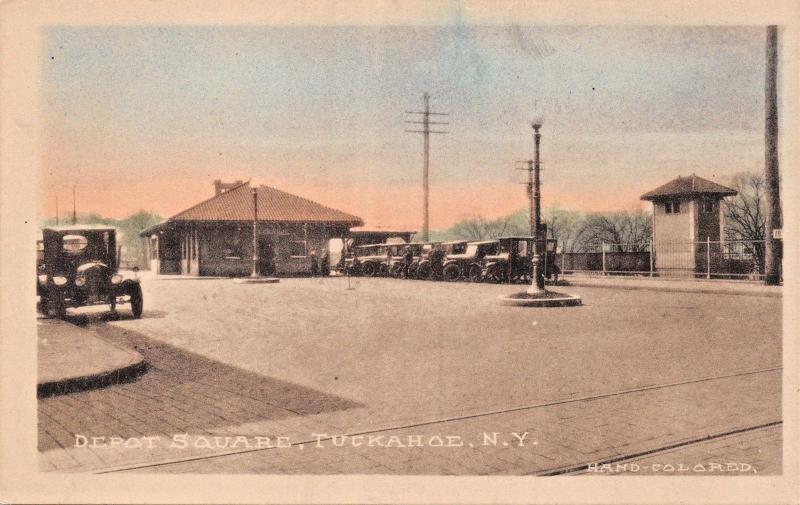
column 688, row 186
column 273, row 205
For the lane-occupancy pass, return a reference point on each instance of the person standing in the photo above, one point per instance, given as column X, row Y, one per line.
column 314, row 264
column 324, row 263
column 408, row 258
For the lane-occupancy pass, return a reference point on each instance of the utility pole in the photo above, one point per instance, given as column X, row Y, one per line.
column 426, row 131
column 537, row 193
column 74, row 208
column 255, row 236
column 57, row 222
column 772, row 262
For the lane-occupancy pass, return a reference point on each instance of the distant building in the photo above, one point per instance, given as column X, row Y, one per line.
column 215, row 237
column 687, row 212
column 362, row 236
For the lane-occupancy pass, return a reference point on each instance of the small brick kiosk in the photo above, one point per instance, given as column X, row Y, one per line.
column 687, row 214
column 215, row 237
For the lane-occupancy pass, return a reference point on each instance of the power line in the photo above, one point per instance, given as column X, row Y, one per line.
column 426, row 131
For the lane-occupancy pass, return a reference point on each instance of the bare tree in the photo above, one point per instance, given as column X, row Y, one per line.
column 480, row 228
column 625, row 231
column 567, row 227
column 745, row 213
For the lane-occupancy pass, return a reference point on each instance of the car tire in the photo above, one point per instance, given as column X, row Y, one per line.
column 424, row 271
column 368, row 269
column 475, row 273
column 41, row 306
column 137, row 301
column 451, row 272
column 493, row 275
column 56, row 307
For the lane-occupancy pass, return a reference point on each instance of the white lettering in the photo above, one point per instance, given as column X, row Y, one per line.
column 182, row 439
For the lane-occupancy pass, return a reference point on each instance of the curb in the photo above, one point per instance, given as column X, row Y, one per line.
column 127, row 373
column 679, row 289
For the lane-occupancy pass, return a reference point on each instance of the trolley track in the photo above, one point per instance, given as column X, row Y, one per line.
column 571, row 469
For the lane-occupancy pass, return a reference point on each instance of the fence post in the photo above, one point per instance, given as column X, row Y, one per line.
column 708, row 257
column 603, row 245
column 651, row 257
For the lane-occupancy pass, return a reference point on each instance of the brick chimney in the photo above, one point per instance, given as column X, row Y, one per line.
column 221, row 187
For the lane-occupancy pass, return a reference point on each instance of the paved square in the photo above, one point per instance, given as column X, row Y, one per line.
column 628, row 372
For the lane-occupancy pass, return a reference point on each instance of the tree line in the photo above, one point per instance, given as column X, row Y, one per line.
column 622, row 231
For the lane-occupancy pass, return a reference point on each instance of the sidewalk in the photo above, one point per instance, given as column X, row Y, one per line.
column 677, row 285
column 74, row 359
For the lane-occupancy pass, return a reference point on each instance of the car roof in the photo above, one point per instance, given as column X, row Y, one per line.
column 80, row 227
column 375, row 245
column 480, row 242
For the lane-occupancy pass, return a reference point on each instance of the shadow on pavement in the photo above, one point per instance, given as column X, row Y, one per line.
column 180, row 392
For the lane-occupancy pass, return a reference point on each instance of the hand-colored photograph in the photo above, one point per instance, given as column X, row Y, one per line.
column 410, row 250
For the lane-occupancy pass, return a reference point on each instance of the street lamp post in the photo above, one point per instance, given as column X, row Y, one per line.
column 537, row 279
column 255, row 236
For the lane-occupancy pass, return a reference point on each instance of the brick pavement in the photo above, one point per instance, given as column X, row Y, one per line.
column 754, row 452
column 559, row 436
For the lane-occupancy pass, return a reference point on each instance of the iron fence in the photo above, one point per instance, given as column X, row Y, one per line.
column 709, row 259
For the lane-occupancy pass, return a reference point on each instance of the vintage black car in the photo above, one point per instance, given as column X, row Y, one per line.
column 371, row 260
column 513, row 260
column 468, row 265
column 78, row 266
column 421, row 252
column 431, row 267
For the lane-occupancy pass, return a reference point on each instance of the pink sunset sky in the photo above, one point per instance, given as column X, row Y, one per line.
column 147, row 117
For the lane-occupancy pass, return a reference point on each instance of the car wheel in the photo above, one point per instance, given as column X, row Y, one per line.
column 451, row 272
column 424, row 271
column 41, row 306
column 56, row 307
column 137, row 302
column 368, row 269
column 475, row 273
column 493, row 275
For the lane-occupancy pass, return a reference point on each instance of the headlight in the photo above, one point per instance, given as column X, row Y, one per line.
column 58, row 280
column 42, row 279
column 116, row 279
column 80, row 281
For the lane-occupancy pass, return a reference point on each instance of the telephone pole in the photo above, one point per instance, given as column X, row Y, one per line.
column 74, row 208
column 772, row 260
column 426, row 131
column 57, row 222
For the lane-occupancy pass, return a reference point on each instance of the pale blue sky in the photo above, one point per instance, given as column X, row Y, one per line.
column 319, row 111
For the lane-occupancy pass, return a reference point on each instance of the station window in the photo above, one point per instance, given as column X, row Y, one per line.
column 707, row 206
column 673, row 207
column 297, row 249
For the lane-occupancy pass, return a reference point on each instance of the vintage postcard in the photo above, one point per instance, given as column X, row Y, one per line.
column 399, row 252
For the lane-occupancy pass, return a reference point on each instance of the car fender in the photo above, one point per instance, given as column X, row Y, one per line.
column 450, row 262
column 125, row 286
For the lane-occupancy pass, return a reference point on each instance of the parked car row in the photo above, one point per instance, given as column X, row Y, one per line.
column 508, row 259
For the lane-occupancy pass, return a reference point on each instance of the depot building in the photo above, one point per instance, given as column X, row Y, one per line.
column 215, row 236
